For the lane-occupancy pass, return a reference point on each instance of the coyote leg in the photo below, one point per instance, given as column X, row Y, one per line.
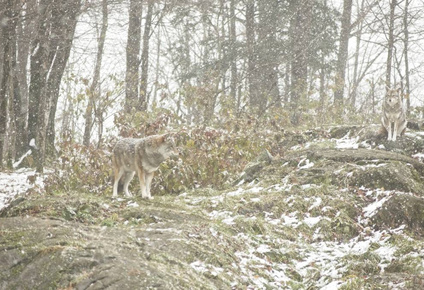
column 128, row 177
column 394, row 133
column 149, row 178
column 118, row 174
column 142, row 179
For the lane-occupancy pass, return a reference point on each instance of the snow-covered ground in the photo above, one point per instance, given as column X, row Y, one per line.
column 312, row 256
column 319, row 261
column 14, row 184
column 296, row 235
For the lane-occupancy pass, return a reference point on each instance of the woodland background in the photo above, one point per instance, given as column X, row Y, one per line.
column 75, row 75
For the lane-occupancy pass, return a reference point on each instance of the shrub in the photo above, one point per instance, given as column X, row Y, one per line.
column 81, row 168
column 210, row 157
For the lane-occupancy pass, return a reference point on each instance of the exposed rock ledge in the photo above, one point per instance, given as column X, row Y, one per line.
column 316, row 216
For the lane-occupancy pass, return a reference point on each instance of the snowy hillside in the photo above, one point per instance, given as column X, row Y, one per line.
column 332, row 213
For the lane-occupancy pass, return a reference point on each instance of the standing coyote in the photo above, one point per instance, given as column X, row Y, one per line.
column 143, row 156
column 394, row 118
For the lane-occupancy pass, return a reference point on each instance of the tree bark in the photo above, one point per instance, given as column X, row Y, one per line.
column 8, row 59
column 133, row 53
column 145, row 57
column 37, row 90
column 94, row 91
column 406, row 48
column 343, row 53
column 299, row 39
column 251, row 56
column 233, row 64
column 157, row 68
column 390, row 44
column 268, row 56
column 56, row 24
column 356, row 78
column 65, row 16
column 25, row 29
column 15, row 97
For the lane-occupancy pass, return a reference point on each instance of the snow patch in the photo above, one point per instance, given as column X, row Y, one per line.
column 419, row 156
column 312, row 221
column 347, row 143
column 203, row 268
column 317, row 203
column 306, row 164
column 17, row 163
column 372, row 209
column 133, row 204
column 32, row 143
column 13, row 184
column 291, row 220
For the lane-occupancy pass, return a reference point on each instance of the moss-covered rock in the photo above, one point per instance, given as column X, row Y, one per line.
column 402, row 209
column 311, row 216
column 52, row 254
column 393, row 175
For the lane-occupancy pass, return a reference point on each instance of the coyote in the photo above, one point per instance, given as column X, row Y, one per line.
column 394, row 118
column 143, row 156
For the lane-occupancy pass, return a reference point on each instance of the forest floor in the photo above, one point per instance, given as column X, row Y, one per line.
column 341, row 212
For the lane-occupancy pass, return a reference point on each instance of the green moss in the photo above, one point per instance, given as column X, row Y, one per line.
column 363, row 265
column 353, row 283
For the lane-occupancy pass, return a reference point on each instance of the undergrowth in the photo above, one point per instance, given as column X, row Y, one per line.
column 209, row 157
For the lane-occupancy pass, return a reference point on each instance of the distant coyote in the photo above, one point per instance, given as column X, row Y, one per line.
column 394, row 118
column 143, row 156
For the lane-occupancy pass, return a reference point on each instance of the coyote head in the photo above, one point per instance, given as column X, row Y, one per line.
column 164, row 144
column 393, row 97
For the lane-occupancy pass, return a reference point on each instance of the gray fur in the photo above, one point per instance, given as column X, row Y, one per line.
column 394, row 117
column 142, row 156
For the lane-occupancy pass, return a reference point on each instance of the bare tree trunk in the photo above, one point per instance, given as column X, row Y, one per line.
column 299, row 30
column 145, row 57
column 222, row 51
column 251, row 57
column 94, row 87
column 357, row 51
column 373, row 95
column 186, row 64
column 67, row 113
column 65, row 16
column 37, row 90
column 267, row 56
column 393, row 4
column 25, row 29
column 343, row 53
column 406, row 48
column 158, row 48
column 322, row 94
column 56, row 24
column 287, row 71
column 133, row 53
column 14, row 95
column 233, row 51
column 8, row 59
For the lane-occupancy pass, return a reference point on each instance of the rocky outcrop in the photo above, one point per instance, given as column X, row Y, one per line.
column 316, row 215
column 165, row 253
